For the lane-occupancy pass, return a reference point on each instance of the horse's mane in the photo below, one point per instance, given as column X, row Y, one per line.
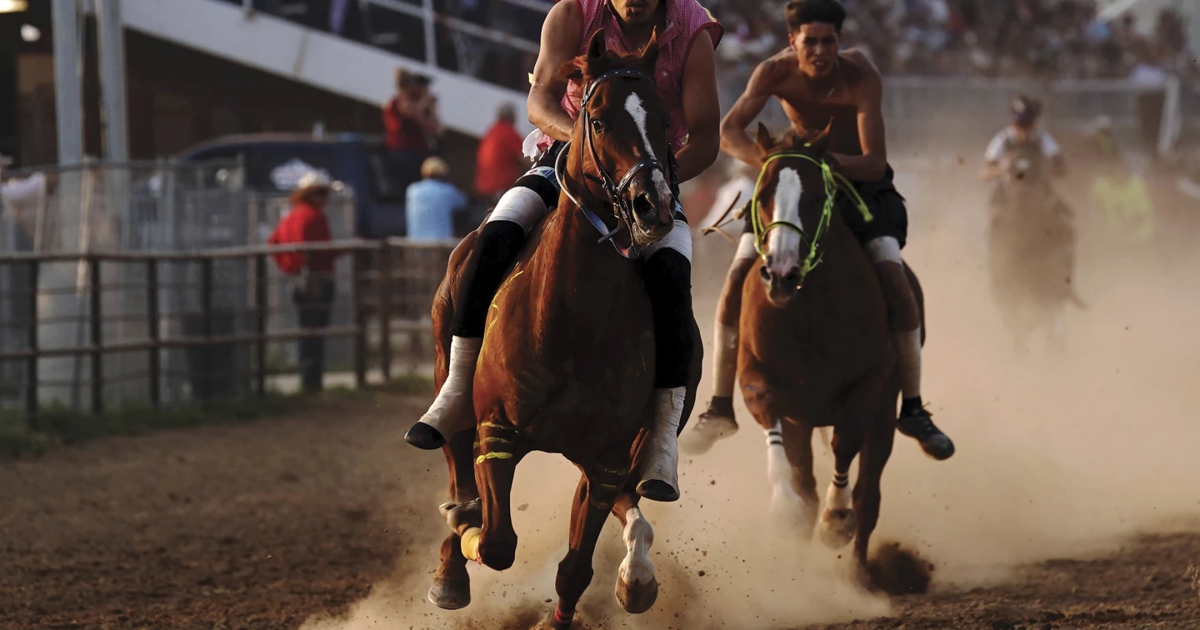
column 793, row 140
column 597, row 60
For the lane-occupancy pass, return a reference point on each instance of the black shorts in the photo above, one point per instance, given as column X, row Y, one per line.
column 889, row 216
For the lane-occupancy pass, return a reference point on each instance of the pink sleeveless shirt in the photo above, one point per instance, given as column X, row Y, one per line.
column 686, row 19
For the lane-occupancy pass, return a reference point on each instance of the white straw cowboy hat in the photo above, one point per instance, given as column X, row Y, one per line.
column 314, row 180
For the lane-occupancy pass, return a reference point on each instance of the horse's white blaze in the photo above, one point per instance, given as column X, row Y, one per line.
column 637, row 110
column 637, row 568
column 779, row 472
column 784, row 243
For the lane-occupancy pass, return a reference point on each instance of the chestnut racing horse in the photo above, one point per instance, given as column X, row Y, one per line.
column 567, row 362
column 816, row 350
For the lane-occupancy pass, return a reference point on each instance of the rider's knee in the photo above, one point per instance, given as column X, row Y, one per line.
column 528, row 201
column 903, row 311
column 679, row 240
column 743, row 260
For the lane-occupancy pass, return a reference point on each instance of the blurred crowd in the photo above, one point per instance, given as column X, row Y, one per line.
column 983, row 38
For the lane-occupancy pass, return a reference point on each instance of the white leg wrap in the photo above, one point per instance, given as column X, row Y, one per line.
column 680, row 240
column 908, row 350
column 662, row 457
column 779, row 472
column 521, row 206
column 725, row 338
column 745, row 248
column 838, row 496
column 637, row 568
column 453, row 410
column 884, row 249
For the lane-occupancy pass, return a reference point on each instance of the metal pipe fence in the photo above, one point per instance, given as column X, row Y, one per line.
column 209, row 350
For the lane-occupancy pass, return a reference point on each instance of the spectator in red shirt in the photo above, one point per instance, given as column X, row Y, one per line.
column 410, row 117
column 499, row 160
column 311, row 273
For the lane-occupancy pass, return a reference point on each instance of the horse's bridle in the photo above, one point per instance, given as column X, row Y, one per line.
column 613, row 189
column 833, row 182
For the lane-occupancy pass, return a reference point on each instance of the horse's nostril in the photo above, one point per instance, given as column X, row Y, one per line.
column 642, row 204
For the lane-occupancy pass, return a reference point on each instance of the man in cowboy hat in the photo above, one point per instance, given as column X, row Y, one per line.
column 311, row 273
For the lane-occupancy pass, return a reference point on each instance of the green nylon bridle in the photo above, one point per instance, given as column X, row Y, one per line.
column 833, row 183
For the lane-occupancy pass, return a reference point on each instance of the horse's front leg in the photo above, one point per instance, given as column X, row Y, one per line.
column 594, row 498
column 637, row 586
column 451, row 584
column 497, row 454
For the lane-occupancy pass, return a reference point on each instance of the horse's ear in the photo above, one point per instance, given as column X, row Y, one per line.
column 820, row 143
column 649, row 54
column 765, row 142
column 571, row 70
column 597, row 49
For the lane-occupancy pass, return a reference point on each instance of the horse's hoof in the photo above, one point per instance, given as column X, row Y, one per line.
column 461, row 516
column 637, row 598
column 837, row 528
column 425, row 437
column 450, row 593
column 555, row 622
column 657, row 490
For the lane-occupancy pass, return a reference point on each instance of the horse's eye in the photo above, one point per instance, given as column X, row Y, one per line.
column 597, row 126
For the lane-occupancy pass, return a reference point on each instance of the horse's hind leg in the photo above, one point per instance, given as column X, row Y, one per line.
column 594, row 499
column 838, row 521
column 498, row 454
column 451, row 584
column 797, row 442
column 875, row 453
column 637, row 588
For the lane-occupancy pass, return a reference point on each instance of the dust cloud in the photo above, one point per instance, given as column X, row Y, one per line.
column 1060, row 454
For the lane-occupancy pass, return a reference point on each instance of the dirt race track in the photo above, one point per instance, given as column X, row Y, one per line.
column 1072, row 502
column 265, row 525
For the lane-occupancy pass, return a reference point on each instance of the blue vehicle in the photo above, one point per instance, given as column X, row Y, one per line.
column 273, row 161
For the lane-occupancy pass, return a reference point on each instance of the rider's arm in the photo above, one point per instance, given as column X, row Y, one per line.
column 872, row 164
column 734, row 139
column 992, row 156
column 701, row 110
column 561, row 33
column 1050, row 148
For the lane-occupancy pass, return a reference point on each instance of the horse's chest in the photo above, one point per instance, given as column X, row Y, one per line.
column 569, row 342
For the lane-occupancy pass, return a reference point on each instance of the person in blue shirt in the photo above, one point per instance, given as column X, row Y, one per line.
column 432, row 202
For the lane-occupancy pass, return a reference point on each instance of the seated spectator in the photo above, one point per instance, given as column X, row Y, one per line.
column 500, row 159
column 432, row 203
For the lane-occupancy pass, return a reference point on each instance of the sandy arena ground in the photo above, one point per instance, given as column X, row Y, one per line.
column 1072, row 502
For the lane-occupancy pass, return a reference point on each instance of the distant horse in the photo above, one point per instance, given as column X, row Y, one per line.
column 1031, row 250
column 567, row 363
column 816, row 349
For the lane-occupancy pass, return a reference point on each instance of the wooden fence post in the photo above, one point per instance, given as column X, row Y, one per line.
column 360, row 319
column 31, row 368
column 152, row 331
column 260, row 323
column 383, row 283
column 97, row 337
column 206, row 320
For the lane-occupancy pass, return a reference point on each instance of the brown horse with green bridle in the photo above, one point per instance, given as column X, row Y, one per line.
column 567, row 364
column 816, row 349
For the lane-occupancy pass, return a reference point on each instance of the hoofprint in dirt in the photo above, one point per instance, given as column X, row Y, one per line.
column 252, row 526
